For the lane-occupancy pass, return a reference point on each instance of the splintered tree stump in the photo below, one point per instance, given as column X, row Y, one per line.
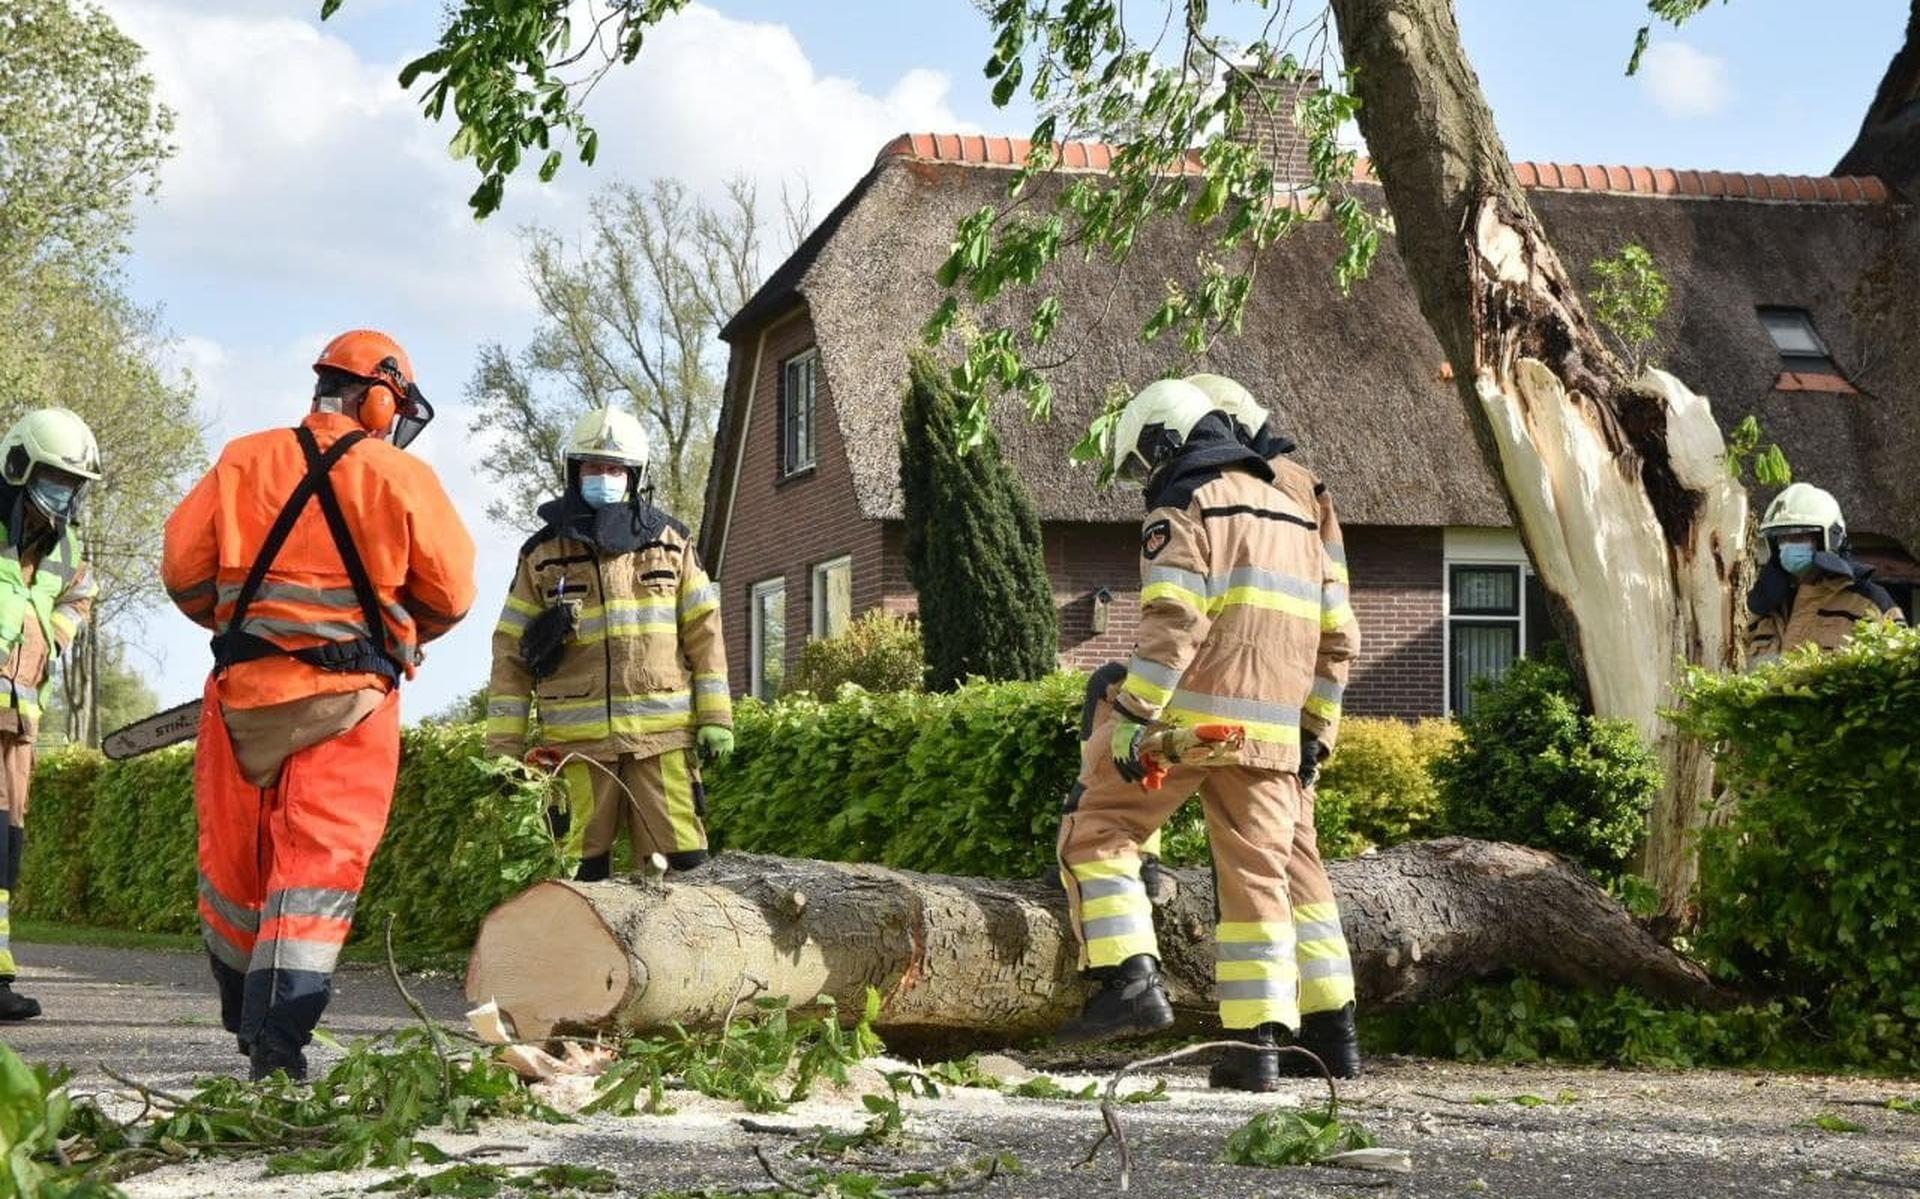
column 979, row 961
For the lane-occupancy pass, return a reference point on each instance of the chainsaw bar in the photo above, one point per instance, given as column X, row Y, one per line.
column 157, row 731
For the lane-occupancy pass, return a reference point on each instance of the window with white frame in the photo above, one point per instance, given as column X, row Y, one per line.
column 768, row 605
column 1496, row 611
column 799, row 384
column 832, row 597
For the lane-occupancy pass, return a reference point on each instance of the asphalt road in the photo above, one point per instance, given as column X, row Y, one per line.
column 1695, row 1135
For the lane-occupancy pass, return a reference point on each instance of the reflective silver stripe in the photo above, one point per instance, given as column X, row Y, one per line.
column 1164, row 677
column 625, row 619
column 6, row 910
column 1314, row 968
column 294, row 954
column 1328, row 690
column 1266, row 580
column 1257, row 711
column 1335, row 595
column 1252, row 951
column 230, row 955
column 326, row 630
column 574, row 717
column 334, row 597
column 1319, row 930
column 231, row 912
column 193, row 594
column 1179, row 578
column 513, row 618
column 500, row 705
column 1336, row 551
column 326, row 902
column 1256, row 988
column 1117, row 926
column 706, row 593
column 710, row 687
column 630, row 705
column 1104, row 888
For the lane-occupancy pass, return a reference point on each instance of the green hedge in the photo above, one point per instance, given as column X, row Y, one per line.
column 114, row 843
column 1808, row 887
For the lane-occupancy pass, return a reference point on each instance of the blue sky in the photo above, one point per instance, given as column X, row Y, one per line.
column 309, row 196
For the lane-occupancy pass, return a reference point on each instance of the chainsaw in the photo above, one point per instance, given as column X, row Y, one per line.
column 1199, row 745
column 155, row 732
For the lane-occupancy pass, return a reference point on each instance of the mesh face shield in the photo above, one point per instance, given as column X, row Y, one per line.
column 411, row 418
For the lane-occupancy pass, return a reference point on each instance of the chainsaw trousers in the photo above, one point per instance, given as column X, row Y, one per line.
column 1321, row 958
column 659, row 798
column 1253, row 816
column 16, row 774
column 281, row 868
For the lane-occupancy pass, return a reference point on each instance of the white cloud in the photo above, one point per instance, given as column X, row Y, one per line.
column 310, row 195
column 1685, row 82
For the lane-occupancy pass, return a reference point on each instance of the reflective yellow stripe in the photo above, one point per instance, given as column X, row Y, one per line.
column 1321, row 950
column 1337, row 571
column 1152, row 693
column 578, row 778
column 1116, row 905
column 1272, row 601
column 526, row 606
column 1254, row 932
column 1336, row 617
column 1314, row 913
column 1151, row 846
column 1173, row 591
column 1256, row 730
column 681, row 813
column 1228, row 972
column 1106, row 868
column 1325, row 709
column 1251, row 1013
column 1326, row 994
column 506, row 726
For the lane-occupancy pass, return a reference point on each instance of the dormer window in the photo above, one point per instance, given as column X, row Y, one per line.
column 1805, row 362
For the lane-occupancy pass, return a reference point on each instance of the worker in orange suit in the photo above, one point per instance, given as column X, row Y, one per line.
column 323, row 557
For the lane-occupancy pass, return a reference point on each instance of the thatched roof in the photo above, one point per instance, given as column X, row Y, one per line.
column 1358, row 380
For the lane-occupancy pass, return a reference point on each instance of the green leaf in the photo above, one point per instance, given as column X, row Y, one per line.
column 329, row 7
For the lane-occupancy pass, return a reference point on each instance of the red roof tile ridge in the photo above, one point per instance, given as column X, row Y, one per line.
column 974, row 149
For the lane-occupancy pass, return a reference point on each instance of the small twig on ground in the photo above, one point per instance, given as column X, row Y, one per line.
column 740, row 995
column 480, row 1151
column 749, row 1124
column 785, row 1184
column 1110, row 1112
column 413, row 1005
column 1884, row 1180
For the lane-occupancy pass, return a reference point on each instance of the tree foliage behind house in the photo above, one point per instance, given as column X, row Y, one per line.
column 973, row 547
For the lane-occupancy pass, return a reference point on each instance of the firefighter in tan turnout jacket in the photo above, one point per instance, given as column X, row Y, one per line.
column 611, row 635
column 1234, row 606
column 1810, row 590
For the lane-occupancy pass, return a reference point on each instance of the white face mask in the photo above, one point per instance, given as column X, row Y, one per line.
column 53, row 497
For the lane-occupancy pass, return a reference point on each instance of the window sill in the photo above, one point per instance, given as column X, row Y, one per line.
column 1814, row 381
column 805, row 472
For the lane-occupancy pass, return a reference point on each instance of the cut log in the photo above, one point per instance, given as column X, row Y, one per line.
column 977, row 962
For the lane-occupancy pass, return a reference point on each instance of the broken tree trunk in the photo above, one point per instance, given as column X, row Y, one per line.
column 1888, row 144
column 1619, row 486
column 977, row 961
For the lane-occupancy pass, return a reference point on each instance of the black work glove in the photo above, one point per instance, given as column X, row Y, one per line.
column 1312, row 753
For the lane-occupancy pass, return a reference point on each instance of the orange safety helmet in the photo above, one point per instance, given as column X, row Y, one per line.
column 392, row 402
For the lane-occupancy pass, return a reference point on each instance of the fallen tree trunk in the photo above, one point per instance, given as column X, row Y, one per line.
column 982, row 961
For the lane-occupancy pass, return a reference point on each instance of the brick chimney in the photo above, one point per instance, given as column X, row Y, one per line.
column 1269, row 126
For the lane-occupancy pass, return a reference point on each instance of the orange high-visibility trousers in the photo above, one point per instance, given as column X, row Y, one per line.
column 281, row 868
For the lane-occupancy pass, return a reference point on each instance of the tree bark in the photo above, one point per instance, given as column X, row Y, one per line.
column 1619, row 486
column 976, row 961
column 1888, row 144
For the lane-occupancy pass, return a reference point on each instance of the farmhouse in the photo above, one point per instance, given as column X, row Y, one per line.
column 1793, row 301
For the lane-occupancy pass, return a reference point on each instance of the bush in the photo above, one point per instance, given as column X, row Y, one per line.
column 1808, row 888
column 114, row 843
column 973, row 546
column 880, row 651
column 1530, row 767
column 1378, row 788
column 966, row 782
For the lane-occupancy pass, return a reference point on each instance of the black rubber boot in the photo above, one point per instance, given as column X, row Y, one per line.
column 265, row 1059
column 1158, row 880
column 1131, row 1002
column 1253, row 1067
column 1333, row 1038
column 16, row 1007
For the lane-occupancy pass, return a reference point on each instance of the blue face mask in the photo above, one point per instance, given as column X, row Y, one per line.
column 1796, row 558
column 601, row 490
column 53, row 497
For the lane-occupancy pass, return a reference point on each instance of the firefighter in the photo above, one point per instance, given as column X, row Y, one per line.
column 612, row 630
column 1232, row 615
column 46, row 592
column 323, row 557
column 1811, row 589
column 1320, row 943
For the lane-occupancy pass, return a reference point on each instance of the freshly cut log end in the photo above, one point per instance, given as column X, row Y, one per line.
column 976, row 962
column 549, row 961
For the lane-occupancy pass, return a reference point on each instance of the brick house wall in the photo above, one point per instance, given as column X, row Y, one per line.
column 1398, row 598
column 783, row 527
